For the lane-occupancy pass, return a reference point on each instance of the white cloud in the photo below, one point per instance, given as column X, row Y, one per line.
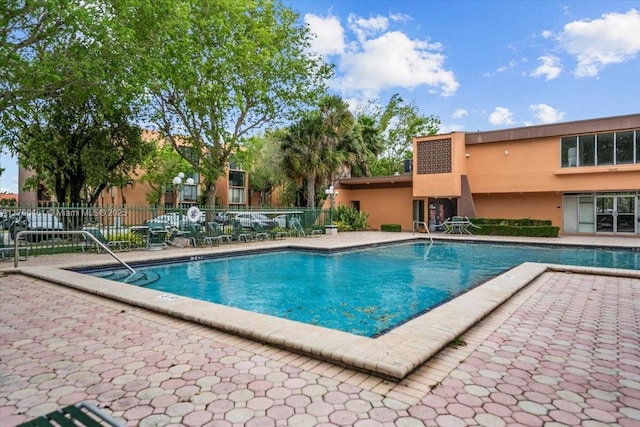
column 459, row 113
column 613, row 38
column 394, row 60
column 502, row 68
column 365, row 28
column 377, row 57
column 550, row 67
column 329, row 34
column 400, row 17
column 501, row 116
column 546, row 113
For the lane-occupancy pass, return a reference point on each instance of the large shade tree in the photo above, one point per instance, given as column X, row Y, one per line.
column 78, row 149
column 225, row 70
column 72, row 83
column 160, row 167
column 398, row 123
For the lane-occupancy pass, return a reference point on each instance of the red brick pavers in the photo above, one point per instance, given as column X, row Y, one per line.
column 569, row 355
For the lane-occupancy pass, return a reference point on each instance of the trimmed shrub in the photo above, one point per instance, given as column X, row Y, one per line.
column 391, row 227
column 515, row 227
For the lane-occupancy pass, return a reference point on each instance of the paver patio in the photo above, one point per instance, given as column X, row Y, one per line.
column 563, row 351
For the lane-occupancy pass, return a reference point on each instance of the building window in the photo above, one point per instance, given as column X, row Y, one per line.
column 434, row 156
column 624, row 148
column 236, row 196
column 189, row 193
column 236, row 179
column 612, row 148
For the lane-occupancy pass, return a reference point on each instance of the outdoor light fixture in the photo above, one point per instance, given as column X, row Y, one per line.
column 331, row 193
column 177, row 181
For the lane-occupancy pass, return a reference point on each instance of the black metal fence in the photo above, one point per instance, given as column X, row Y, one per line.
column 128, row 222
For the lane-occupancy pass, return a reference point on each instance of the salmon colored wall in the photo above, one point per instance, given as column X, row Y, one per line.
column 441, row 184
column 516, row 206
column 384, row 205
column 534, row 165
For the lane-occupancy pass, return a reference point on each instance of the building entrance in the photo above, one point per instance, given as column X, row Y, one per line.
column 615, row 213
column 601, row 213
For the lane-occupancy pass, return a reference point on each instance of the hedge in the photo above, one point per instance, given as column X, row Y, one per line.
column 515, row 227
column 390, row 227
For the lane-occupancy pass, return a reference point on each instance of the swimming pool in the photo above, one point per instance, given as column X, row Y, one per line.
column 367, row 291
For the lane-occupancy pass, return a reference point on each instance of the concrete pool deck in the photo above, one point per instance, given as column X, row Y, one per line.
column 402, row 355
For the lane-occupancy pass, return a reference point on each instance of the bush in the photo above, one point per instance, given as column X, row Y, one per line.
column 391, row 227
column 515, row 227
column 350, row 219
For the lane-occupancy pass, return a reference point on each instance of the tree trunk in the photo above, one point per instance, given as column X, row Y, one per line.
column 311, row 192
column 211, row 201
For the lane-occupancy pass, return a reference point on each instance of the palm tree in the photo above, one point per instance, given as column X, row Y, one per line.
column 306, row 154
column 311, row 146
column 362, row 146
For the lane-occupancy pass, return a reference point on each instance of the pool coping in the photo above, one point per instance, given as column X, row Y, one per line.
column 392, row 356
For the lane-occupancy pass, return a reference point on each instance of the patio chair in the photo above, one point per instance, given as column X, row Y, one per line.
column 157, row 235
column 80, row 414
column 216, row 235
column 296, row 225
column 279, row 234
column 90, row 244
column 239, row 233
column 194, row 234
column 259, row 233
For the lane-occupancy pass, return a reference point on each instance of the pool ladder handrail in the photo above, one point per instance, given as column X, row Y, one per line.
column 417, row 224
column 84, row 233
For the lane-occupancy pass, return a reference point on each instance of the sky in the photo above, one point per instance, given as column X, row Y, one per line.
column 476, row 65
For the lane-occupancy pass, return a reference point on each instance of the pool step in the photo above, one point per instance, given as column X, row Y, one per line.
column 125, row 276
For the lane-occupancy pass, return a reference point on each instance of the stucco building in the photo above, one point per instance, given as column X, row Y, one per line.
column 584, row 176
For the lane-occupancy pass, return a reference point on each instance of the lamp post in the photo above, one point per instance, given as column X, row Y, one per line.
column 177, row 181
column 332, row 193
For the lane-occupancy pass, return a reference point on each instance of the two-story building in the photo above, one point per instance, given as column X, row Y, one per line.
column 584, row 176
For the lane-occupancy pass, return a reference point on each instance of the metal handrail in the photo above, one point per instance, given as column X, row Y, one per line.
column 417, row 224
column 78, row 232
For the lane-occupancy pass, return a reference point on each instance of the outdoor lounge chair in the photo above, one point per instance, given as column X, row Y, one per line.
column 194, row 234
column 157, row 234
column 239, row 233
column 259, row 232
column 80, row 414
column 296, row 225
column 216, row 235
column 90, row 244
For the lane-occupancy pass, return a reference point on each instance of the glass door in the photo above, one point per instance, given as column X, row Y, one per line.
column 604, row 213
column 616, row 213
column 626, row 216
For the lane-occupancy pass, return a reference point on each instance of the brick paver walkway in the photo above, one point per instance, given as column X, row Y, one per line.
column 569, row 355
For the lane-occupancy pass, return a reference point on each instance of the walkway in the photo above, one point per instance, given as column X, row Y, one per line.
column 563, row 351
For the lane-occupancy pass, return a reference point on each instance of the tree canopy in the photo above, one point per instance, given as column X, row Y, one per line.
column 226, row 69
column 72, row 88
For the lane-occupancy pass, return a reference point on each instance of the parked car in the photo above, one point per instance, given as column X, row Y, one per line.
column 174, row 219
column 34, row 221
column 247, row 219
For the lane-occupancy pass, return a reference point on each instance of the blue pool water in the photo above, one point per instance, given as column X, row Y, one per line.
column 364, row 292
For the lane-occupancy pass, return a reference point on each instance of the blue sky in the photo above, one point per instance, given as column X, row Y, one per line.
column 477, row 65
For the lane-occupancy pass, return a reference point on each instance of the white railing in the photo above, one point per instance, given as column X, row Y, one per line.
column 86, row 234
column 416, row 226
